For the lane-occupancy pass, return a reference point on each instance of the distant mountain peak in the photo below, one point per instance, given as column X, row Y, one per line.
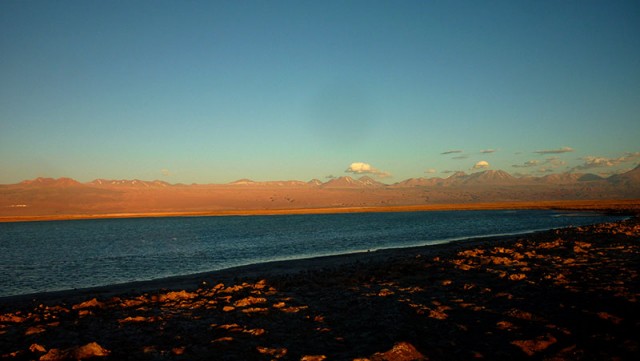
column 490, row 177
column 631, row 178
column 342, row 182
column 100, row 182
column 588, row 177
column 243, row 181
column 368, row 181
column 458, row 174
column 559, row 178
column 51, row 182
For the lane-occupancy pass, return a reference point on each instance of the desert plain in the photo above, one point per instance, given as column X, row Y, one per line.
column 65, row 198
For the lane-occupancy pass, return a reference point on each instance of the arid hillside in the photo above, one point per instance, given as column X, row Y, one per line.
column 64, row 196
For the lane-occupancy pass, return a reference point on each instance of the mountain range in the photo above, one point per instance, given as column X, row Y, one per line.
column 66, row 196
column 487, row 177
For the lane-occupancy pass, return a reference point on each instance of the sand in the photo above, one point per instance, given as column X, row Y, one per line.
column 563, row 294
column 594, row 205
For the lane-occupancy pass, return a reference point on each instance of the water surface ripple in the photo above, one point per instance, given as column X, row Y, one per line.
column 58, row 255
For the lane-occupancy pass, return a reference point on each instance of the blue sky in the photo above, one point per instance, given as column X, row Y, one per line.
column 213, row 91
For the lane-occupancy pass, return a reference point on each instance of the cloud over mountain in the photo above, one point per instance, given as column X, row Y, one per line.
column 604, row 162
column 481, row 165
column 366, row 168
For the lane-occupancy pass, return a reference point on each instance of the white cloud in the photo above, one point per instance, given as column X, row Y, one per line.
column 600, row 162
column 366, row 168
column 481, row 165
column 431, row 171
column 165, row 172
column 555, row 151
column 596, row 162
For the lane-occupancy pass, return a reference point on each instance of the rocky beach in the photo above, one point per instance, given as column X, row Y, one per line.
column 566, row 294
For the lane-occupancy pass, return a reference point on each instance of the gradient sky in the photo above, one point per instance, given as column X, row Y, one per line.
column 213, row 91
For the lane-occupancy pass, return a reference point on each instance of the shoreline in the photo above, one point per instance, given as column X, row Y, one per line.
column 618, row 205
column 566, row 293
column 278, row 267
column 193, row 280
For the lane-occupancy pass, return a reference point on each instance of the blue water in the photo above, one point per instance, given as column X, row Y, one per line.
column 49, row 256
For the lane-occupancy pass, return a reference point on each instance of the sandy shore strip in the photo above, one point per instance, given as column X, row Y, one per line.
column 562, row 294
column 578, row 205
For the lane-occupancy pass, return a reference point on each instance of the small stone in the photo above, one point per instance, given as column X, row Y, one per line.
column 530, row 347
column 178, row 350
column 249, row 301
column 34, row 330
column 313, row 358
column 88, row 304
column 517, row 276
column 401, row 351
column 177, row 296
column 36, row 348
column 89, row 350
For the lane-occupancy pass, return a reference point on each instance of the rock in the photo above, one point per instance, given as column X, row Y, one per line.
column 76, row 353
column 11, row 318
column 517, row 276
column 401, row 351
column 385, row 292
column 260, row 284
column 276, row 353
column 88, row 304
column 133, row 319
column 250, row 301
column 223, row 339
column 313, row 358
column 255, row 331
column 36, row 348
column 530, row 347
column 34, row 330
column 505, row 325
column 177, row 296
column 178, row 350
column 254, row 310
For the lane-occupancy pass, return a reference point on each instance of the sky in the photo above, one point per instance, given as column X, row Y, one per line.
column 214, row 91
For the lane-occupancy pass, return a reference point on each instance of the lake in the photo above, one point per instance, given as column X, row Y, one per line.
column 59, row 255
